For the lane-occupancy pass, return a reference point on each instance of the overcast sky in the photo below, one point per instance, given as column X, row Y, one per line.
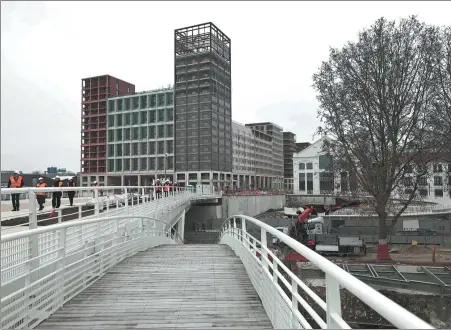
column 48, row 47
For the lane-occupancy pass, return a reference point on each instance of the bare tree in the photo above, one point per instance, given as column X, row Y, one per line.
column 378, row 97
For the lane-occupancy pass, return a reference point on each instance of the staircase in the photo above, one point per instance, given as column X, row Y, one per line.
column 170, row 286
column 202, row 237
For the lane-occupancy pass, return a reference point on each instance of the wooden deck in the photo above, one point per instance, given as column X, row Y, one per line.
column 172, row 286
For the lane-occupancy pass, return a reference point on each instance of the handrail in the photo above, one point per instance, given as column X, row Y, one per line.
column 388, row 309
column 74, row 223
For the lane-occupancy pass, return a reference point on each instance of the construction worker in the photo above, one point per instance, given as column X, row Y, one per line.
column 15, row 181
column 71, row 194
column 56, row 196
column 40, row 196
column 158, row 188
column 166, row 188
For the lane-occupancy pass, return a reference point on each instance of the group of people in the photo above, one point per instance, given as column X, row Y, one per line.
column 166, row 187
column 56, row 195
column 16, row 181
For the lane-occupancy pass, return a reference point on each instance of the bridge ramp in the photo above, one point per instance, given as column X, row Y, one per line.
column 170, row 286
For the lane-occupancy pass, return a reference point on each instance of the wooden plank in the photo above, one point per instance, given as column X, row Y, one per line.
column 172, row 286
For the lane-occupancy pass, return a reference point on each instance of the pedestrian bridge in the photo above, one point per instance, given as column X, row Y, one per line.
column 133, row 271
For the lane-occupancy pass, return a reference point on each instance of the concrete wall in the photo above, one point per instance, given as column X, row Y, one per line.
column 301, row 200
column 250, row 205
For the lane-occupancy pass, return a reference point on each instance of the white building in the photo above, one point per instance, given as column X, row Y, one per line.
column 311, row 177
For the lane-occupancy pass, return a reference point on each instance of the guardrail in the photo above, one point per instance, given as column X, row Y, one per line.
column 281, row 297
column 110, row 200
column 44, row 268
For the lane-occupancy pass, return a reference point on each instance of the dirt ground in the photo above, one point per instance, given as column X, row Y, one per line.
column 405, row 254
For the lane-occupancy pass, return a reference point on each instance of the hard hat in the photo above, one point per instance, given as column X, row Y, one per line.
column 41, row 178
column 57, row 177
column 16, row 172
column 95, row 181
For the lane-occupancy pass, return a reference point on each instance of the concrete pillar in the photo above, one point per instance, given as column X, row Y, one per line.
column 181, row 226
column 139, row 179
column 122, row 180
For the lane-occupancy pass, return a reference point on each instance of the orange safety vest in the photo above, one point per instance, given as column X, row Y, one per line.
column 41, row 185
column 16, row 183
column 166, row 187
column 158, row 187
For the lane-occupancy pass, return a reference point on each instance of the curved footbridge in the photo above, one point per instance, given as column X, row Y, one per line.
column 133, row 271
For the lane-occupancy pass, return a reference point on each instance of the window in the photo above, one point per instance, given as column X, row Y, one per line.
column 302, row 167
column 143, row 133
column 135, row 149
column 127, row 119
column 344, row 181
column 153, row 101
column 110, row 166
column 151, row 163
column 408, row 169
column 152, row 132
column 423, row 181
column 127, row 134
column 170, row 163
column 161, row 147
column 135, row 135
column 111, row 106
column 160, row 100
column 310, row 166
column 309, row 181
column 170, row 147
column 161, row 115
column 111, row 120
column 119, row 120
column 423, row 192
column 170, row 114
column 126, row 149
column 111, row 150
column 118, row 165
column 438, row 192
column 119, row 135
column 143, row 117
column 160, row 131
column 438, row 181
column 135, row 102
column 127, row 104
column 153, row 116
column 143, row 104
column 302, row 181
column 170, row 131
column 161, row 163
column 143, row 164
column 135, row 118
column 325, row 162
column 118, row 150
column 449, row 167
column 326, row 182
column 151, row 148
column 135, row 164
column 110, row 135
column 169, row 98
column 408, row 181
column 438, row 168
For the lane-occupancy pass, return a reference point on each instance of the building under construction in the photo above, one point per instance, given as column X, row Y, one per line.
column 95, row 92
column 203, row 114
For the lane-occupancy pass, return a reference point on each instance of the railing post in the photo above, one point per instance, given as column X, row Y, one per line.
column 126, row 200
column 61, row 266
column 80, row 212
column 244, row 233
column 235, row 233
column 32, row 208
column 294, row 305
column 333, row 301
column 143, row 196
column 264, row 252
column 60, row 216
column 96, row 204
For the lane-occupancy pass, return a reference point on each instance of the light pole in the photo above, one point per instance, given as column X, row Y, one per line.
column 165, row 159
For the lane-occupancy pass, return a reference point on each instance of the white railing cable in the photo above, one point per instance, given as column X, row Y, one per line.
column 284, row 312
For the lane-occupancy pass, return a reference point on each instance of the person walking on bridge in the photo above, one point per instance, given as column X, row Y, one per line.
column 40, row 196
column 56, row 197
column 158, row 188
column 15, row 181
column 71, row 194
column 166, row 188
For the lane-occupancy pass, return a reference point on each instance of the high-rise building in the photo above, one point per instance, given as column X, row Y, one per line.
column 273, row 165
column 141, row 137
column 253, row 159
column 289, row 148
column 203, row 101
column 94, row 92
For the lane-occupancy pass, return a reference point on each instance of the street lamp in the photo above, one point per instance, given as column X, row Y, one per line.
column 165, row 160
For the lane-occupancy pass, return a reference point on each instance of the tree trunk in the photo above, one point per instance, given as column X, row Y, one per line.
column 382, row 247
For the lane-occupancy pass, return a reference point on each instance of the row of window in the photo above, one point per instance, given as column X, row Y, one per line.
column 141, row 102
column 140, row 164
column 141, row 117
column 141, row 133
column 141, row 148
column 423, row 181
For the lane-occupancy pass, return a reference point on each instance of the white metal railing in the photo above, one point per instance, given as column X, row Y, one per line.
column 108, row 201
column 281, row 295
column 45, row 267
